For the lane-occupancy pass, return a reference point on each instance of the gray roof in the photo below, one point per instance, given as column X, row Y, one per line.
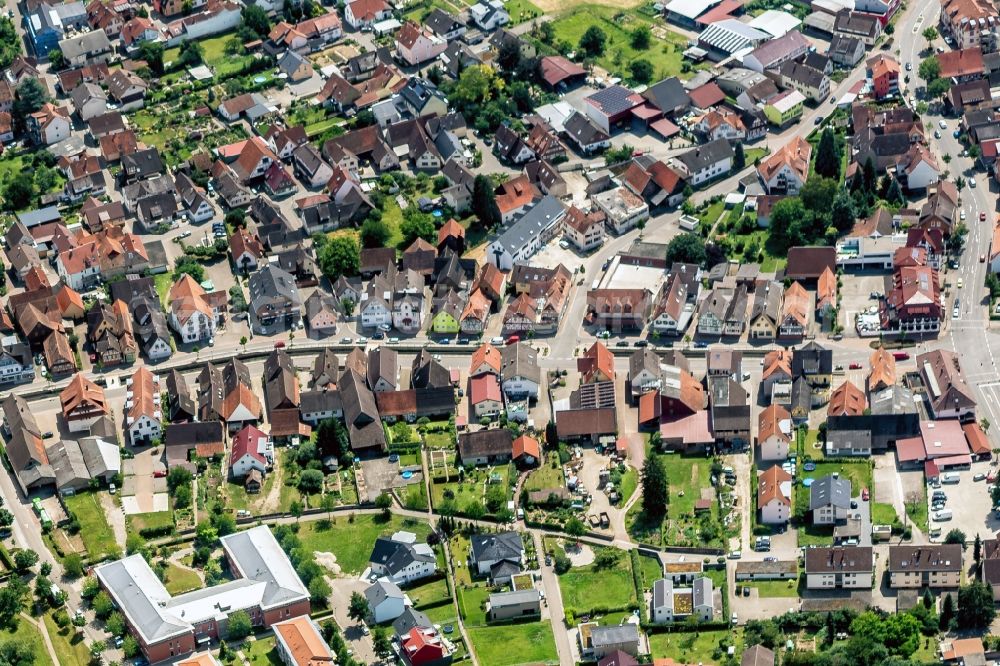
column 272, row 283
column 409, row 619
column 514, row 598
column 397, row 555
column 489, row 547
column 543, row 215
column 802, row 73
column 702, row 592
column 381, row 590
column 67, row 462
column 101, row 456
column 731, row 35
column 520, row 360
column 32, row 218
column 94, row 41
column 668, row 94
column 830, row 491
column 663, row 593
column 320, row 401
column 614, row 635
column 706, row 155
column 291, row 61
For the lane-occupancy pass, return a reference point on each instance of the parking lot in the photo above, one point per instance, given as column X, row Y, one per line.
column 855, row 294
column 970, row 505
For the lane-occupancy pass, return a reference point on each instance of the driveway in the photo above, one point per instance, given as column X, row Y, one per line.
column 340, row 601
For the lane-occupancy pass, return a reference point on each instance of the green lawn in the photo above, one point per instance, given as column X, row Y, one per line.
column 163, row 282
column 883, row 514
column 687, row 475
column 215, row 55
column 437, row 440
column 155, row 520
column 585, row 589
column 415, row 497
column 665, row 55
column 25, row 633
column 98, row 537
column 263, row 651
column 694, row 646
column 521, row 11
column 630, row 481
column 775, row 588
column 68, row 644
column 651, row 570
column 815, row 535
column 514, row 644
column 352, row 543
column 712, row 213
column 179, row 580
column 472, row 489
column 430, row 593
column 472, row 602
column 917, row 512
column 548, row 475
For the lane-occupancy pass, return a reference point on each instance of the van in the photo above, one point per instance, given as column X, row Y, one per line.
column 736, row 554
column 935, row 532
column 942, row 515
column 498, row 340
column 950, row 477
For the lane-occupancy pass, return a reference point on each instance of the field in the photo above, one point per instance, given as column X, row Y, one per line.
column 883, row 514
column 98, row 537
column 585, row 589
column 25, row 633
column 352, row 543
column 513, row 644
column 687, row 475
column 775, row 588
column 664, row 52
column 474, row 488
column 68, row 644
column 262, row 651
column 215, row 55
column 651, row 570
column 696, row 647
column 180, row 580
column 155, row 520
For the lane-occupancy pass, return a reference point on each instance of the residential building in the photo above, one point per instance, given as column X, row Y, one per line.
column 706, row 162
column 774, row 496
column 774, row 433
column 935, row 566
column 786, row 170
column 252, row 449
column 677, row 604
column 144, row 417
column 401, row 559
column 839, row 567
column 948, row 394
column 299, row 642
column 514, row 605
column 829, row 499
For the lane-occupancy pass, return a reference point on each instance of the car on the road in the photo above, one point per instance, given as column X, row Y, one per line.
column 513, row 339
column 818, row 120
column 864, row 495
column 280, row 344
column 642, row 343
column 564, row 244
column 621, row 343
column 875, row 295
column 855, row 366
column 365, row 630
column 972, row 182
column 770, row 558
column 909, row 66
column 462, row 341
column 937, row 134
column 833, row 98
column 735, row 619
column 942, row 124
column 159, row 474
column 345, row 341
column 962, row 215
column 378, row 335
column 700, row 345
column 361, row 340
column 982, row 258
column 982, row 216
column 979, row 477
column 956, row 312
column 112, row 489
column 960, row 283
column 393, row 457
column 746, row 591
column 735, row 555
column 900, row 355
column 956, row 133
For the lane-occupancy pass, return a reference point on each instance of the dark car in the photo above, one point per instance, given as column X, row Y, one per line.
column 642, row 343
column 700, row 345
column 622, row 343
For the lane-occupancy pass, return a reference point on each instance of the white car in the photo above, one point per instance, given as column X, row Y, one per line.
column 942, row 124
column 972, row 182
column 961, row 215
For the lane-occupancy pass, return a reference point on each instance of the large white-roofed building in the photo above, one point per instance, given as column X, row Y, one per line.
column 729, row 36
column 775, row 22
column 265, row 586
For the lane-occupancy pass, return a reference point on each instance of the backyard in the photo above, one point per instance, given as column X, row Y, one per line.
column 695, row 647
column 690, row 480
column 66, row 641
column 486, row 488
column 351, row 541
column 215, row 56
column 263, row 651
column 548, row 475
column 596, row 588
column 514, row 644
column 98, row 537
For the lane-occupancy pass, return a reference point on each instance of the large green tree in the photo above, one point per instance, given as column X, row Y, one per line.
column 592, row 42
column 686, row 248
column 374, row 233
column 339, row 256
column 358, row 608
column 975, row 606
column 827, row 157
column 655, row 487
column 484, row 204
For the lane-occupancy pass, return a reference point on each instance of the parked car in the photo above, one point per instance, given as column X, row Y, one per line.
column 864, row 494
column 855, row 366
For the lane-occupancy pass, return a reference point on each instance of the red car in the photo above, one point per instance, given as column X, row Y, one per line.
column 159, row 474
column 855, row 366
column 864, row 494
column 982, row 216
column 900, row 356
column 514, row 338
column 280, row 344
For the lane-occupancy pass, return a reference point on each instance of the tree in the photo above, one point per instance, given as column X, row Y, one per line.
column 254, row 20
column 827, row 157
column 509, row 55
column 381, row 642
column 102, row 605
column 417, row 225
column 339, row 256
column 319, row 590
column 189, row 265
column 842, row 213
column 947, row 612
column 358, row 608
column 894, row 194
column 115, row 624
column 239, row 626
column 192, row 53
column 73, row 565
column 975, row 606
column 130, row 647
column 31, row 95
column 938, row 87
column 178, row 476
column 6, row 518
column 310, row 481
column 642, row 70
column 739, row 158
column 384, row 502
column 152, row 53
column 57, row 59
column 11, row 602
column 655, row 493
column 955, row 536
column 977, row 550
column 686, row 248
column 592, row 42
column 19, row 192
column 25, row 559
column 900, row 634
column 928, row 599
column 641, row 38
column 930, row 33
column 575, row 527
column 484, row 204
column 929, row 69
column 374, row 233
